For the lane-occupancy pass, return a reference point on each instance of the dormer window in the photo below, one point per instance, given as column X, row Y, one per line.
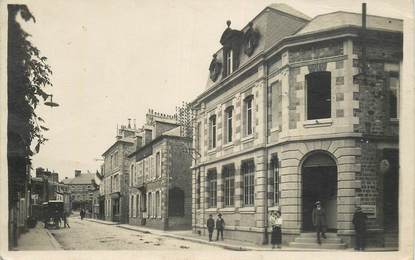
column 231, row 41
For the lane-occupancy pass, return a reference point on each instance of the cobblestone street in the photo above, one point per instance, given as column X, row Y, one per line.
column 86, row 235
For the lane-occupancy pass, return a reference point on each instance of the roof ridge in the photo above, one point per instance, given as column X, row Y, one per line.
column 287, row 9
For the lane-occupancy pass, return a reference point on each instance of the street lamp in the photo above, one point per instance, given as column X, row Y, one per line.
column 51, row 103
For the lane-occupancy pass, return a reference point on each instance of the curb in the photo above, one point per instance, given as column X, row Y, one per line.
column 228, row 247
column 103, row 222
column 53, row 240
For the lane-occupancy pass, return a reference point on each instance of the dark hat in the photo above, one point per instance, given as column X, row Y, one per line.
column 219, row 215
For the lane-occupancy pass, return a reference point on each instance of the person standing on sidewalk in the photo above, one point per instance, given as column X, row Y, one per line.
column 359, row 222
column 220, row 226
column 65, row 220
column 275, row 221
column 319, row 221
column 210, row 226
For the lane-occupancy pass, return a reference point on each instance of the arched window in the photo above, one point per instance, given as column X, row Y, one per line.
column 318, row 95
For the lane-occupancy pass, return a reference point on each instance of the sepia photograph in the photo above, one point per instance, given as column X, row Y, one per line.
column 160, row 128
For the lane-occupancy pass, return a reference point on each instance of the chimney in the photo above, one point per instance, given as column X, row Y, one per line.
column 129, row 123
column 138, row 141
column 135, row 126
column 147, row 136
column 77, row 173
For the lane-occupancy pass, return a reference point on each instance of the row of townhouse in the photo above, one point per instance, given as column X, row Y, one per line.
column 298, row 110
column 147, row 176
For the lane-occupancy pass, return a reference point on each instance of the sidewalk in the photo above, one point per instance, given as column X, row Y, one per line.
column 188, row 235
column 38, row 238
column 235, row 245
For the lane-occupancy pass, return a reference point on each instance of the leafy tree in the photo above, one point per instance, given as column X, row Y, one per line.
column 28, row 75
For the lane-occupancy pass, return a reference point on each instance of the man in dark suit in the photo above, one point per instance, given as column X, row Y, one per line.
column 210, row 226
column 220, row 226
column 359, row 222
column 319, row 221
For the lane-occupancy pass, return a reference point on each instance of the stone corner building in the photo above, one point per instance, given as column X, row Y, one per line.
column 285, row 120
column 160, row 190
column 115, row 175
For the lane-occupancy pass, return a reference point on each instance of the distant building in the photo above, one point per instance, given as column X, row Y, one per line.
column 81, row 189
column 115, row 170
column 160, row 176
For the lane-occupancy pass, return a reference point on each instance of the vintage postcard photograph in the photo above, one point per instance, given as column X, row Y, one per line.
column 207, row 129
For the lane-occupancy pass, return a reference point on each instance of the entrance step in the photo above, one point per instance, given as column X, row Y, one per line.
column 309, row 240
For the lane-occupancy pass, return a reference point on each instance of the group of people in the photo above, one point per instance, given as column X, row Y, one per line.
column 359, row 222
column 57, row 220
column 319, row 222
column 220, row 226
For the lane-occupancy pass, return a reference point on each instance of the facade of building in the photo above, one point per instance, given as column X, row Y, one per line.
column 115, row 172
column 81, row 189
column 298, row 110
column 160, row 177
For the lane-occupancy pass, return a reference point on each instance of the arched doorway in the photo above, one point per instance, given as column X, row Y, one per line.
column 319, row 183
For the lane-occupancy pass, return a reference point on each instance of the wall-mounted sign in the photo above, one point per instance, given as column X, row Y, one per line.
column 369, row 210
column 384, row 166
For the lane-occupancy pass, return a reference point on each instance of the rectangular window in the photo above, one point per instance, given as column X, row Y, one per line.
column 157, row 204
column 158, row 166
column 198, row 137
column 318, row 95
column 212, row 188
column 248, row 115
column 229, row 185
column 394, row 95
column 229, row 113
column 197, row 190
column 248, row 172
column 275, row 177
column 212, row 132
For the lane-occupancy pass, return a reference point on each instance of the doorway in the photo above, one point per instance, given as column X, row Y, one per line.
column 391, row 191
column 319, row 183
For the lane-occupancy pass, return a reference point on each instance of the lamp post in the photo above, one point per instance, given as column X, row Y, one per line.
column 51, row 103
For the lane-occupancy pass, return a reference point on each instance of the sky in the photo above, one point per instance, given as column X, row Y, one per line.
column 113, row 60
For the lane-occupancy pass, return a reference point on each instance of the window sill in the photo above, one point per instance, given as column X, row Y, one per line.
column 247, row 210
column 227, row 145
column 247, row 138
column 212, row 210
column 275, row 129
column 227, row 209
column 318, row 122
column 212, row 151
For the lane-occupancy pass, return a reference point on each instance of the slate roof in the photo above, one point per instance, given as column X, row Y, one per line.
column 85, row 178
column 289, row 10
column 343, row 19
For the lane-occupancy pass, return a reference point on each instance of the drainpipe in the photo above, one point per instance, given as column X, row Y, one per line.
column 363, row 39
column 265, row 132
